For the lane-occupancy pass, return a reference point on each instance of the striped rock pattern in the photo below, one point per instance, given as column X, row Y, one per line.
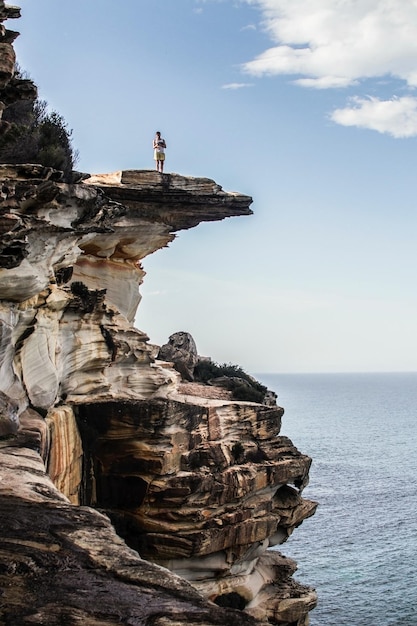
column 89, row 418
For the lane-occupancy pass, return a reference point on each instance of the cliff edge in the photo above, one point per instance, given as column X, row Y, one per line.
column 106, row 457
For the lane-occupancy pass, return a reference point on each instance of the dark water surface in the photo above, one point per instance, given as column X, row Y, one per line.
column 360, row 549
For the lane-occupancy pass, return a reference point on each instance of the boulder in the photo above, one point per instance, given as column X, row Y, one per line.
column 182, row 352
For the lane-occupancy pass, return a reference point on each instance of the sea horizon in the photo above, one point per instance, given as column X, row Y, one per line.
column 347, row 372
column 358, row 550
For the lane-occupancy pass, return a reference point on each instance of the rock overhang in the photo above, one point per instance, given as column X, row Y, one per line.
column 181, row 202
column 117, row 218
column 216, row 475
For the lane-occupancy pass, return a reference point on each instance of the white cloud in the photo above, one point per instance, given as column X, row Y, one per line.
column 333, row 43
column 236, row 85
column 326, row 44
column 396, row 117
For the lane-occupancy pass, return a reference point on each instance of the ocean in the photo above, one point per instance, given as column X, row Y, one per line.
column 360, row 549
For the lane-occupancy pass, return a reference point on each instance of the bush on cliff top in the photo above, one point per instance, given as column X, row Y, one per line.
column 250, row 390
column 36, row 135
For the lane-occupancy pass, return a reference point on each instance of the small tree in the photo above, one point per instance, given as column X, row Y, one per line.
column 54, row 143
column 37, row 136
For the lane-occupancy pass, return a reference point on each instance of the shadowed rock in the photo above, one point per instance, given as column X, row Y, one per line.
column 9, row 420
column 182, row 352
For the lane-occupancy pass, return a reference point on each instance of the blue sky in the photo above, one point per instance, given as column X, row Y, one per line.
column 310, row 107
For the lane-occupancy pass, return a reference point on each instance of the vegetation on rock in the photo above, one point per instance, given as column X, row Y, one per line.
column 242, row 385
column 36, row 135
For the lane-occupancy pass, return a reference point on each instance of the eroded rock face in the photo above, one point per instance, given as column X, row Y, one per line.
column 182, row 352
column 75, row 339
column 204, row 490
column 61, row 564
column 200, row 485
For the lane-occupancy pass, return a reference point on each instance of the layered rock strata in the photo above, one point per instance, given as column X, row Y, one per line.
column 62, row 564
column 197, row 484
column 203, row 487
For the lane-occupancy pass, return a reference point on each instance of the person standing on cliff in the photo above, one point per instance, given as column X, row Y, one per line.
column 159, row 146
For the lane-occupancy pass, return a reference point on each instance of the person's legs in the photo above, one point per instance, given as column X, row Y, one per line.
column 159, row 159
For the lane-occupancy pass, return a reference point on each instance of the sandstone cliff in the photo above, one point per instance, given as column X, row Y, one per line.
column 90, row 419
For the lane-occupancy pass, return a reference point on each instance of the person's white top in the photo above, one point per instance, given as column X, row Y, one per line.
column 159, row 145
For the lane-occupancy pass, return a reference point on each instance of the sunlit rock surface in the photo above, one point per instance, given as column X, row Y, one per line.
column 200, row 485
column 70, row 274
column 193, row 481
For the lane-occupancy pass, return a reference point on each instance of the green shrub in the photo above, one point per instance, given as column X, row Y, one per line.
column 36, row 135
column 79, row 289
column 252, row 391
column 205, row 370
column 248, row 394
